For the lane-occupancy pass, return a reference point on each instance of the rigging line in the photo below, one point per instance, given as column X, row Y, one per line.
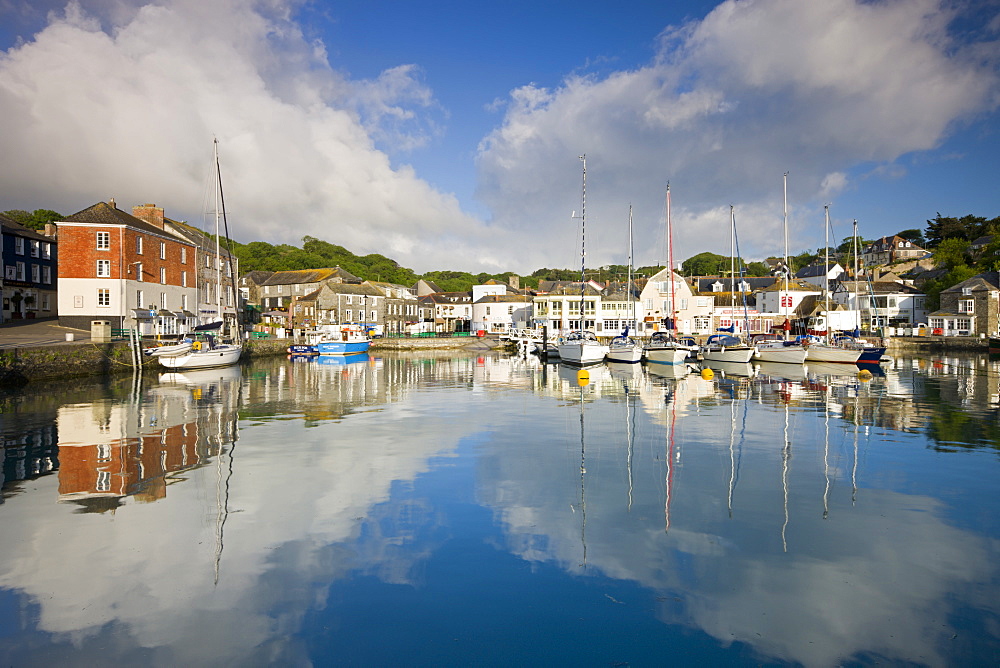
column 739, row 260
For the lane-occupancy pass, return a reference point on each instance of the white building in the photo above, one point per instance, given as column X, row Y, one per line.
column 693, row 313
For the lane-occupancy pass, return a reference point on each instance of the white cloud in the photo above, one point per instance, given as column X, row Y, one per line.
column 757, row 88
column 129, row 111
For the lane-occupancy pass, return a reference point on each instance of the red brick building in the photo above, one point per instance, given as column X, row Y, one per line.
column 120, row 268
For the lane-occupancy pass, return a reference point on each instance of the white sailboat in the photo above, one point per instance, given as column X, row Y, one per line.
column 724, row 347
column 772, row 348
column 623, row 348
column 206, row 350
column 824, row 351
column 663, row 347
column 581, row 345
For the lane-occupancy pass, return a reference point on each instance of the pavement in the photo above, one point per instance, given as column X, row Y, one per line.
column 39, row 332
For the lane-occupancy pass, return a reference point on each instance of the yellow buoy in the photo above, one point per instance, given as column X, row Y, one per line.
column 865, row 374
column 582, row 377
column 707, row 374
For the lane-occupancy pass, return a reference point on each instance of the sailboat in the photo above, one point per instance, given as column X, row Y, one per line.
column 780, row 349
column 725, row 347
column 663, row 347
column 870, row 353
column 581, row 346
column 623, row 348
column 824, row 351
column 206, row 350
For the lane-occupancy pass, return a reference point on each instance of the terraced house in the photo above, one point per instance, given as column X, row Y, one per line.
column 28, row 276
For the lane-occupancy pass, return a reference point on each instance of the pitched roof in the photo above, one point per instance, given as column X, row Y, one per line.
column 988, row 280
column 502, row 299
column 104, row 213
column 11, row 226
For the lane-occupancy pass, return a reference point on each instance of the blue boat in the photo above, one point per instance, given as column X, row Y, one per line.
column 347, row 341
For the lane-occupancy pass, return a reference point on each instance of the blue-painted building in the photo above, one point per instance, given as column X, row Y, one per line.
column 29, row 262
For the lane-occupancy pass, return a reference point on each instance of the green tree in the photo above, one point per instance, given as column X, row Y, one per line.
column 967, row 227
column 952, row 252
column 758, row 269
column 705, row 264
column 35, row 220
column 955, row 275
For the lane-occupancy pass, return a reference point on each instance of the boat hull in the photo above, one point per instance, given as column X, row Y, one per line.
column 669, row 355
column 739, row 354
column 782, row 354
column 821, row 353
column 223, row 355
column 342, row 347
column 871, row 356
column 582, row 353
column 626, row 354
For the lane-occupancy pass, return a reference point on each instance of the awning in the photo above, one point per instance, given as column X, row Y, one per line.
column 143, row 314
column 188, row 314
column 164, row 313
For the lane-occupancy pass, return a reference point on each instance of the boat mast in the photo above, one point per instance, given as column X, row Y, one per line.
column 628, row 285
column 218, row 206
column 857, row 295
column 826, row 263
column 670, row 261
column 583, row 237
column 784, row 296
column 732, row 261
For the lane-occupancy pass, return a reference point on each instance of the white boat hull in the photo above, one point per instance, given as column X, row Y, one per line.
column 626, row 354
column 740, row 354
column 784, row 354
column 823, row 353
column 582, row 353
column 223, row 355
column 666, row 355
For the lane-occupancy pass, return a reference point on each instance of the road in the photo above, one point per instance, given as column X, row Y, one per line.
column 38, row 332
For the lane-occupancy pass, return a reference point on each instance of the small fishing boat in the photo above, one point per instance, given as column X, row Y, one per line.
column 348, row 340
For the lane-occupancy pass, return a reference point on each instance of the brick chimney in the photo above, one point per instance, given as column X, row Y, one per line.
column 150, row 213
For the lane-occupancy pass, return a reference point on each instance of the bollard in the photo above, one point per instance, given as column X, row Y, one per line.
column 69, row 336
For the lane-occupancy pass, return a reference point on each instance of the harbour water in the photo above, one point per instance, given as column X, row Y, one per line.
column 491, row 510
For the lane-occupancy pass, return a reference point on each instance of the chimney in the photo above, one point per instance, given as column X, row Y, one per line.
column 112, row 203
column 150, row 213
column 50, row 230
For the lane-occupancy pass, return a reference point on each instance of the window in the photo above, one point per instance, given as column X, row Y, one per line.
column 184, row 255
column 19, row 245
column 163, row 300
column 138, row 245
column 208, row 262
column 20, row 271
column 347, row 315
column 36, row 273
column 717, row 287
column 46, row 305
column 966, row 306
column 138, row 272
column 104, row 268
column 963, row 324
column 966, row 291
column 184, row 279
column 46, row 250
column 103, row 481
column 47, row 275
column 374, row 317
column 139, row 301
column 184, row 302
column 103, row 297
column 35, row 248
column 103, row 240
column 163, row 275
column 163, row 250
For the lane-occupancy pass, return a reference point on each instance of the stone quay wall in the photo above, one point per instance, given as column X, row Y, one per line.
column 22, row 364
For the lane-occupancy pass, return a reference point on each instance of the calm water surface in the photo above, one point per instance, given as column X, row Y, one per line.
column 420, row 510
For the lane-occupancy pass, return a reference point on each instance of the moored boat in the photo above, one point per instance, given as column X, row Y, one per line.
column 582, row 347
column 348, row 340
column 773, row 348
column 725, row 348
column 665, row 349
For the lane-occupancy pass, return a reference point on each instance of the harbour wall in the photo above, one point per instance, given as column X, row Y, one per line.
column 22, row 364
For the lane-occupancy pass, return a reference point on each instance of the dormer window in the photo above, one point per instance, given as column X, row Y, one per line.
column 717, row 286
column 967, row 291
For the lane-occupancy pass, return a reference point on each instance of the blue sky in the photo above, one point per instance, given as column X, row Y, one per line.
column 446, row 135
